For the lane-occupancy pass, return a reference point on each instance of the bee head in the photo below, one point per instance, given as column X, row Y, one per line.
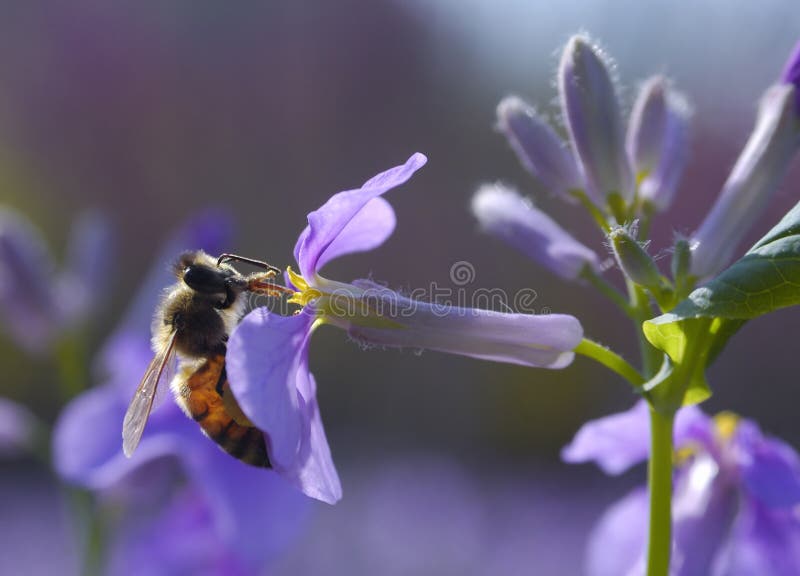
column 200, row 272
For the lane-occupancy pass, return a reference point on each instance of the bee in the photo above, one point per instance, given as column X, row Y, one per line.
column 192, row 324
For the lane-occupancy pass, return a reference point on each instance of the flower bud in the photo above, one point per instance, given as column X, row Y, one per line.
column 537, row 146
column 657, row 140
column 592, row 113
column 634, row 261
column 505, row 214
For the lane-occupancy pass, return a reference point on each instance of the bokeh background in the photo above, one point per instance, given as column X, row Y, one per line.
column 147, row 112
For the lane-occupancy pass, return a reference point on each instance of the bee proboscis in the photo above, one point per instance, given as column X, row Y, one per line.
column 192, row 324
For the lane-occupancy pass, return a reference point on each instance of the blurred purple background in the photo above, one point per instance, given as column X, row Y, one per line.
column 150, row 111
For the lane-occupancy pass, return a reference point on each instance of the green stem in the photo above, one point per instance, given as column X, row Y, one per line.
column 659, row 480
column 641, row 311
column 610, row 360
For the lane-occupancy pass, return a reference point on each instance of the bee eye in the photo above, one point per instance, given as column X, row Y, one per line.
column 204, row 279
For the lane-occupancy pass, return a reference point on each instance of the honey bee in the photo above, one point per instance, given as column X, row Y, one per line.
column 192, row 324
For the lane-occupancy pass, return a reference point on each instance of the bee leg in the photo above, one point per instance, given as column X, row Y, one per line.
column 236, row 258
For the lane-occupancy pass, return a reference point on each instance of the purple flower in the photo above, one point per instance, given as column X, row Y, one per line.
column 505, row 214
column 734, row 500
column 37, row 302
column 268, row 354
column 188, row 504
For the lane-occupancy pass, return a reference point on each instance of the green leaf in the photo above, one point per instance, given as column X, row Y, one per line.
column 693, row 333
column 765, row 279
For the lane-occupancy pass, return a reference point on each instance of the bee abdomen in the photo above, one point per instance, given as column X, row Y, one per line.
column 204, row 403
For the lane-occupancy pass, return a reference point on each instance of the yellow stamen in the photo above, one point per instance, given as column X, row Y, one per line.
column 305, row 293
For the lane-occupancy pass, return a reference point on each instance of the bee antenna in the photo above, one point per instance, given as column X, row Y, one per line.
column 236, row 258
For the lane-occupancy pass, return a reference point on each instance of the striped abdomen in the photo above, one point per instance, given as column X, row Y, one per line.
column 206, row 397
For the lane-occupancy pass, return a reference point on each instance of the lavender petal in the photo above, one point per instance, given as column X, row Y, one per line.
column 329, row 221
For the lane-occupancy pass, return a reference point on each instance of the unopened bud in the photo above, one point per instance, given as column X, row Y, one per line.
column 634, row 260
column 593, row 118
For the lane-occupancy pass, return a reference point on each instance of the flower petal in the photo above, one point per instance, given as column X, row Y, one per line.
column 393, row 320
column 368, row 229
column 265, row 354
column 330, row 220
column 268, row 369
column 316, row 475
column 770, row 468
column 617, row 543
column 617, row 442
column 504, row 213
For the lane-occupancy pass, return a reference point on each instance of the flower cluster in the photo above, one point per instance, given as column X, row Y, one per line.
column 621, row 177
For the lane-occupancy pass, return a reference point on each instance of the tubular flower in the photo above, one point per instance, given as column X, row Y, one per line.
column 267, row 355
column 735, row 496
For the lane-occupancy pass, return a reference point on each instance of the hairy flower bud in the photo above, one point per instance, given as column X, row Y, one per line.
column 633, row 259
column 592, row 113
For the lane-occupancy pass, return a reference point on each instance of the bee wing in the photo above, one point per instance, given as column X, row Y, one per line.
column 142, row 402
